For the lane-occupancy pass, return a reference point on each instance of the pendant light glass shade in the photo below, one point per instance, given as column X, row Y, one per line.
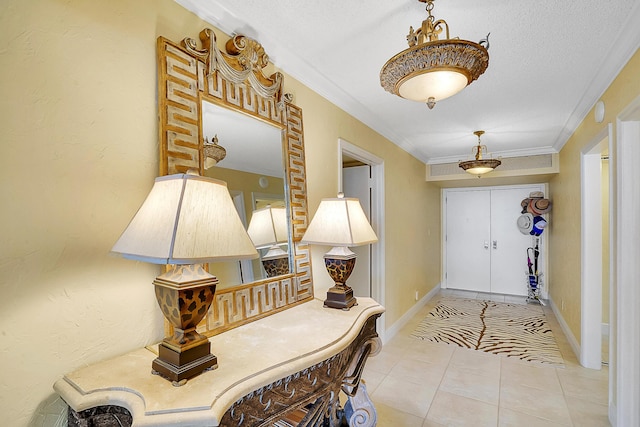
column 438, row 85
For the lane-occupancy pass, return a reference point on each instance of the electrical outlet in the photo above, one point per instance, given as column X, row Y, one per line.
column 416, row 295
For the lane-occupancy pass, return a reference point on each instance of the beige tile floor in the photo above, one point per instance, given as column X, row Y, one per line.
column 414, row 383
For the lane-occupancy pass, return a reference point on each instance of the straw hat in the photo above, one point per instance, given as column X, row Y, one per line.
column 536, row 204
column 539, row 206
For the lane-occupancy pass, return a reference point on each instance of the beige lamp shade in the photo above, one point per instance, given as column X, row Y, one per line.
column 340, row 222
column 186, row 219
column 268, row 227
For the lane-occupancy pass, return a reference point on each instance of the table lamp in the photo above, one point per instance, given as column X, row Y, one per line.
column 186, row 220
column 340, row 222
column 268, row 229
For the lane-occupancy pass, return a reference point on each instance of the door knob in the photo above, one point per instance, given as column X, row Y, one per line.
column 495, row 244
column 486, row 245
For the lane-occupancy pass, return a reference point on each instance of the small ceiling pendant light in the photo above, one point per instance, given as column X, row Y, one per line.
column 213, row 152
column 431, row 70
column 479, row 166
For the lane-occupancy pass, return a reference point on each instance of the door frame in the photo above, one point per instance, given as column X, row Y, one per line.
column 377, row 218
column 356, row 182
column 244, row 266
column 591, row 249
column 623, row 406
column 443, row 204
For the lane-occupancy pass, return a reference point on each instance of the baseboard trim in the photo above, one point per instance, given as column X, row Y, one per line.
column 612, row 414
column 573, row 342
column 395, row 328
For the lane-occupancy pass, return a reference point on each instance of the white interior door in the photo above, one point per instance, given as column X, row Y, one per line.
column 468, row 235
column 356, row 183
column 508, row 244
column 485, row 251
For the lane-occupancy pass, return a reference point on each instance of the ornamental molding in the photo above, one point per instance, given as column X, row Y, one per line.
column 244, row 60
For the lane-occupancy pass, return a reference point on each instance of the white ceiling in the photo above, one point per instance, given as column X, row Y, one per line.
column 549, row 62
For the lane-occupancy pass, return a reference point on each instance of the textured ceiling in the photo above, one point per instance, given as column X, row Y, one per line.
column 549, row 62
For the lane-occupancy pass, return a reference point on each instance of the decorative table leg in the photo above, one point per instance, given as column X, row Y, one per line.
column 359, row 410
column 100, row 416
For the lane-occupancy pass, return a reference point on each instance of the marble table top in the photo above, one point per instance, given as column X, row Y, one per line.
column 249, row 357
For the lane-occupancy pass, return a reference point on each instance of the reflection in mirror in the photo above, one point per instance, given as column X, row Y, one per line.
column 268, row 230
column 248, row 157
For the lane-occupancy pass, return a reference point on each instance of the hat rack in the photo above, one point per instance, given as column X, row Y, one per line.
column 532, row 222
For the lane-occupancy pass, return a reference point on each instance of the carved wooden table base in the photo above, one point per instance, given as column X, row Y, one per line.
column 313, row 392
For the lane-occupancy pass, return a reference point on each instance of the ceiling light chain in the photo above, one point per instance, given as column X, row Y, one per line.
column 432, row 69
column 480, row 147
column 430, row 29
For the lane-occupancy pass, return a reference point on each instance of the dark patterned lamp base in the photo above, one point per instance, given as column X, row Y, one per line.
column 276, row 266
column 340, row 296
column 178, row 367
column 184, row 295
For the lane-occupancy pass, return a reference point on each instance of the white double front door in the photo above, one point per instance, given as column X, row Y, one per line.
column 484, row 249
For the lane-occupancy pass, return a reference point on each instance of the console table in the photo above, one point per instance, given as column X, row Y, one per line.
column 284, row 370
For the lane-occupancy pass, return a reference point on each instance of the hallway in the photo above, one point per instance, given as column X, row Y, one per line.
column 415, row 383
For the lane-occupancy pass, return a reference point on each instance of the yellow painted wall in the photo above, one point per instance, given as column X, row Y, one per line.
column 564, row 227
column 78, row 155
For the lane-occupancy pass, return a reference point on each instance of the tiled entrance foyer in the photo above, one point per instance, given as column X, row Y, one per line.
column 415, row 383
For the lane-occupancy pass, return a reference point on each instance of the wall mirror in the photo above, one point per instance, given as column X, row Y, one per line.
column 253, row 169
column 209, row 98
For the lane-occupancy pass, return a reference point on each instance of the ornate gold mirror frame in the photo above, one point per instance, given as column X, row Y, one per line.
column 188, row 74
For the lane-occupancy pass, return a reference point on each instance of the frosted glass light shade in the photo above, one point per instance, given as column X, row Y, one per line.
column 186, row 219
column 340, row 222
column 437, row 84
column 268, row 226
column 479, row 170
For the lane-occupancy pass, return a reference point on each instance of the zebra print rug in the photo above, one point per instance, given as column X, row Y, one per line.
column 512, row 330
